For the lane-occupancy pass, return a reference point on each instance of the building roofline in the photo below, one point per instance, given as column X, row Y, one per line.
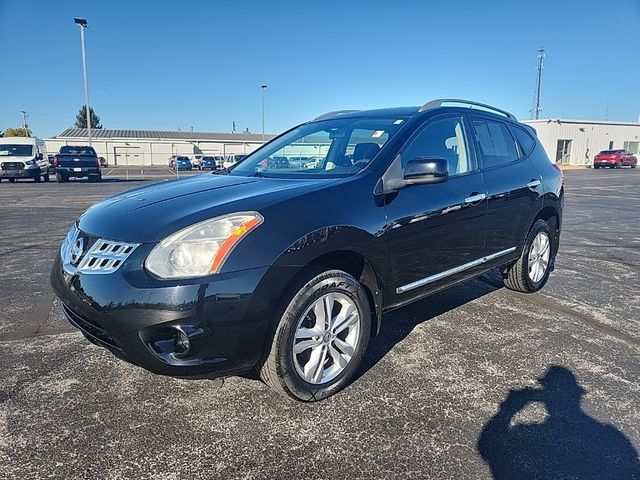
column 122, row 134
column 560, row 121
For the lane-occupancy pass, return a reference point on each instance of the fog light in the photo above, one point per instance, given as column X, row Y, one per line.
column 181, row 343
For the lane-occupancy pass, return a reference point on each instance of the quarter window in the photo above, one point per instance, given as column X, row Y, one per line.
column 442, row 138
column 496, row 143
column 524, row 139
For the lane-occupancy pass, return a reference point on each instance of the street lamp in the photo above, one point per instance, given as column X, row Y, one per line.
column 263, row 87
column 82, row 23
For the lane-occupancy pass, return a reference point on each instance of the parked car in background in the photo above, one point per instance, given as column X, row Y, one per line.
column 219, row 159
column 615, row 159
column 231, row 160
column 207, row 163
column 103, row 162
column 77, row 162
column 289, row 271
column 178, row 162
column 23, row 157
column 195, row 162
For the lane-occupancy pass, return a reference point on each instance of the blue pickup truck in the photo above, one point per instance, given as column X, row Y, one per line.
column 77, row 162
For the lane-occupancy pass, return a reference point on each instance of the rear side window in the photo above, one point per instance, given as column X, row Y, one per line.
column 496, row 143
column 524, row 139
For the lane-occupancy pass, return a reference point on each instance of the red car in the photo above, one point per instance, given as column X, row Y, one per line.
column 615, row 159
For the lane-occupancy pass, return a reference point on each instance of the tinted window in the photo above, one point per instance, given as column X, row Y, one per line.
column 524, row 139
column 442, row 138
column 77, row 150
column 496, row 143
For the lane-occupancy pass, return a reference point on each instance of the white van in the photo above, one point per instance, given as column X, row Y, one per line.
column 23, row 157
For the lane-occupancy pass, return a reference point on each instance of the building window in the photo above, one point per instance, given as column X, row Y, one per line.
column 611, row 145
column 632, row 147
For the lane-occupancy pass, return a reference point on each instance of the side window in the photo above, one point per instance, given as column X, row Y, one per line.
column 441, row 138
column 524, row 139
column 496, row 143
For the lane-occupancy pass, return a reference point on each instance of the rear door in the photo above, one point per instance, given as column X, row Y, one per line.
column 514, row 186
column 436, row 231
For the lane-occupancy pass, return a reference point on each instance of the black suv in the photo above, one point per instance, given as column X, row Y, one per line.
column 288, row 269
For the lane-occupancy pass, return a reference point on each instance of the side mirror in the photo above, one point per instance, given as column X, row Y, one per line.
column 421, row 170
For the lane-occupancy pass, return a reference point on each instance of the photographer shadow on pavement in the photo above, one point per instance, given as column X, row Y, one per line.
column 568, row 444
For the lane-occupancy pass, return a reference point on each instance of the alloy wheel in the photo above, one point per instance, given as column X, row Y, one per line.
column 539, row 257
column 326, row 338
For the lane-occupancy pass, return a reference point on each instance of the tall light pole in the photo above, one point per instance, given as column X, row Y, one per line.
column 82, row 23
column 24, row 123
column 263, row 87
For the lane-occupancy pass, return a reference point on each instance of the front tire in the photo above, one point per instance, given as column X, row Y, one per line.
column 321, row 337
column 61, row 178
column 531, row 271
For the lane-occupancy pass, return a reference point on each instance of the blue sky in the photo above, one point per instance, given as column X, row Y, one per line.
column 164, row 65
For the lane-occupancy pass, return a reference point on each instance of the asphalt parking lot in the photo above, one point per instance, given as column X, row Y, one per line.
column 476, row 382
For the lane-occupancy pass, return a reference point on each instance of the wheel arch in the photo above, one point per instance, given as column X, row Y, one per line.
column 550, row 215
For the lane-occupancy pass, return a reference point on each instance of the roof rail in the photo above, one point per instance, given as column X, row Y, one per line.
column 333, row 114
column 438, row 103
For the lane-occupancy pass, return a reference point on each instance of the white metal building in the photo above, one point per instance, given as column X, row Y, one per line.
column 576, row 142
column 150, row 147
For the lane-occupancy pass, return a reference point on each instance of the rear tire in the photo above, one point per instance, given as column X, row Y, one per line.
column 309, row 346
column 61, row 178
column 46, row 176
column 531, row 271
column 12, row 180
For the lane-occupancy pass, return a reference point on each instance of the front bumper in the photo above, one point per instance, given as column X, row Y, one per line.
column 20, row 173
column 134, row 316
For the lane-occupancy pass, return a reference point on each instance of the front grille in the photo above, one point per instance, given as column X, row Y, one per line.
column 91, row 329
column 104, row 256
column 12, row 165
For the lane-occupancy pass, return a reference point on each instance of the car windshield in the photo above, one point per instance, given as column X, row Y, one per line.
column 8, row 150
column 610, row 152
column 77, row 151
column 329, row 148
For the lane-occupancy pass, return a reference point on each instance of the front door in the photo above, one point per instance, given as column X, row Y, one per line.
column 436, row 231
column 563, row 152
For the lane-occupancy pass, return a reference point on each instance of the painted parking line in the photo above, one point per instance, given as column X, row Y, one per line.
column 109, row 172
column 572, row 194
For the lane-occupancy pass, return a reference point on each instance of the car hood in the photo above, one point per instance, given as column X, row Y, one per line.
column 151, row 213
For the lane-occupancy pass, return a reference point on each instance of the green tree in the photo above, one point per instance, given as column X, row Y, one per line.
column 81, row 119
column 17, row 132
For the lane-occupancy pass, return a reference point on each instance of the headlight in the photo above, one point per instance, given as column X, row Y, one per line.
column 200, row 249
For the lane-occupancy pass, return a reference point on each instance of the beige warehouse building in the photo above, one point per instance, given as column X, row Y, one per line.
column 576, row 142
column 151, row 147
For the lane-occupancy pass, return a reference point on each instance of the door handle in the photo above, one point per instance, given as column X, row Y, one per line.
column 533, row 184
column 475, row 198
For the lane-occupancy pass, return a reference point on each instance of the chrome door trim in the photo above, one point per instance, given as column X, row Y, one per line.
column 475, row 198
column 453, row 271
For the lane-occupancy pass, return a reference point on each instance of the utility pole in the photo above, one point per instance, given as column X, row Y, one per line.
column 24, row 123
column 535, row 111
column 262, row 89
